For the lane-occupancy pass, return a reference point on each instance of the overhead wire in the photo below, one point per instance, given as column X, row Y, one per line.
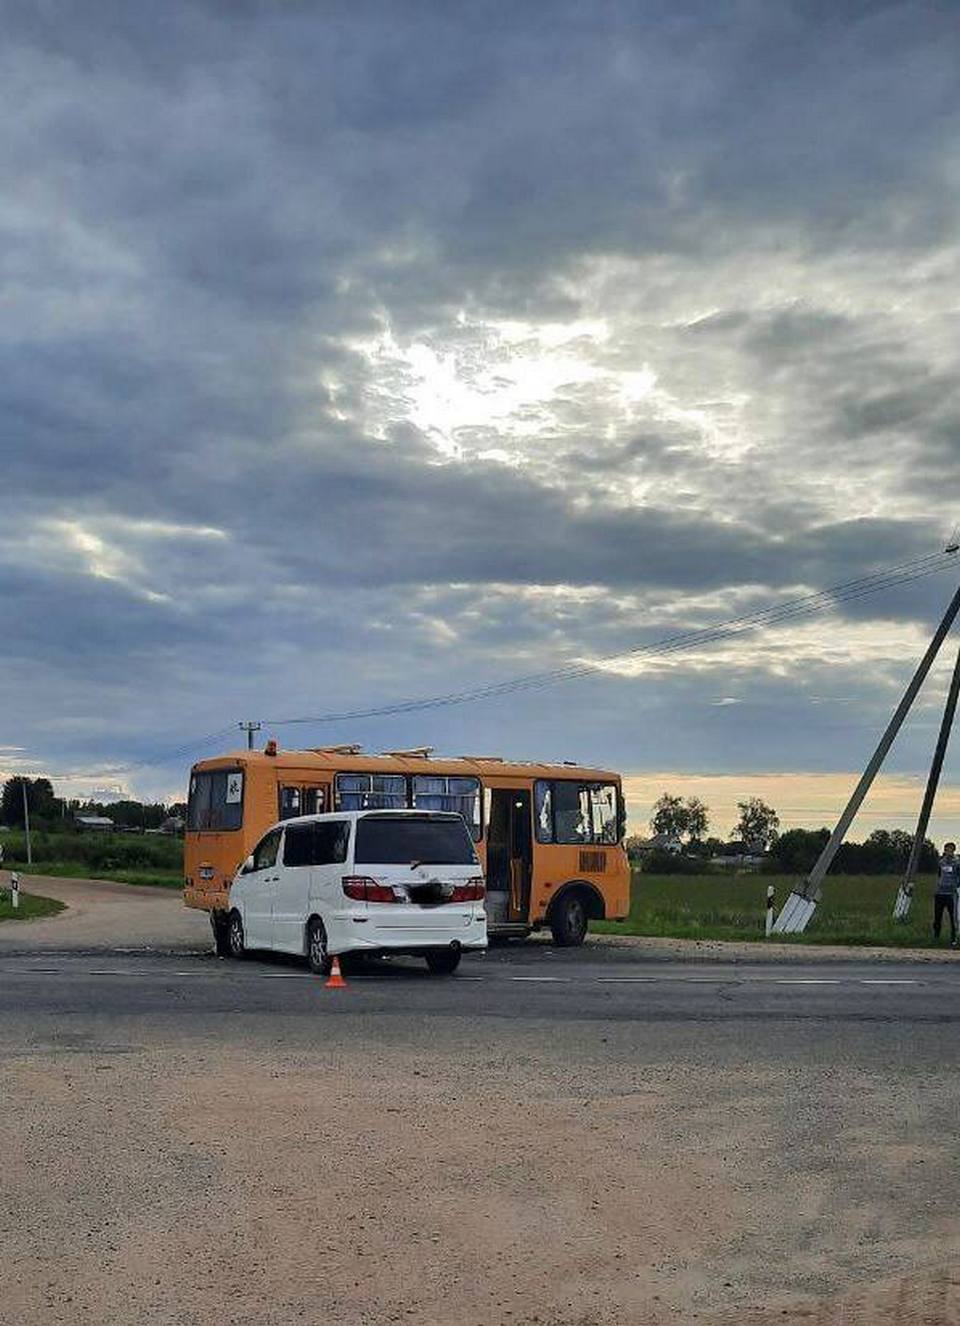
column 775, row 615
column 804, row 605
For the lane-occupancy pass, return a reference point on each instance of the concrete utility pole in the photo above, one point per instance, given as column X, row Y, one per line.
column 26, row 820
column 901, row 907
column 802, row 903
column 249, row 728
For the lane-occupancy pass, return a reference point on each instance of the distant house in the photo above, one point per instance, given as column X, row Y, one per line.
column 664, row 842
column 173, row 825
column 94, row 823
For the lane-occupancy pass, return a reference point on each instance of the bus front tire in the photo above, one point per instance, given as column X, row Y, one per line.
column 443, row 962
column 237, row 945
column 568, row 920
column 220, row 926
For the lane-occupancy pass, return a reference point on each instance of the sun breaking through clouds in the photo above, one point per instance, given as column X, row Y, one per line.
column 407, row 347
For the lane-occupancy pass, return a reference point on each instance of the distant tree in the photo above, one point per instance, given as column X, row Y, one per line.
column 679, row 818
column 698, row 819
column 758, row 824
column 670, row 816
column 43, row 805
column 634, row 844
column 795, row 851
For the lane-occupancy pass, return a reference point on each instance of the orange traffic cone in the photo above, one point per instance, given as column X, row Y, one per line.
column 335, row 980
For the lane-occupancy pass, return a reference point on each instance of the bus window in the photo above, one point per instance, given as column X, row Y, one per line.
column 543, row 810
column 215, row 800
column 290, row 799
column 370, row 791
column 603, row 804
column 568, row 812
column 438, row 792
column 314, row 800
column 571, row 813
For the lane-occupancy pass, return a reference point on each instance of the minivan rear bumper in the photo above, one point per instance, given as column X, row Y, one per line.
column 407, row 929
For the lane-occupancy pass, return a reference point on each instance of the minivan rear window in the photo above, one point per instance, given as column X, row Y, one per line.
column 400, row 840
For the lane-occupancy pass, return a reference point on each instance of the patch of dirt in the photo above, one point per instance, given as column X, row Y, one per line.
column 360, row 1186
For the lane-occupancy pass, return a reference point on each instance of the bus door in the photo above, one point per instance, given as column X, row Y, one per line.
column 509, row 855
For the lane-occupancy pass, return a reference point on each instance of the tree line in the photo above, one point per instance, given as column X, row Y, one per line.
column 757, row 832
column 48, row 811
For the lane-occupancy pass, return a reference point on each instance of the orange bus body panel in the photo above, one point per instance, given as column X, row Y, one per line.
column 212, row 858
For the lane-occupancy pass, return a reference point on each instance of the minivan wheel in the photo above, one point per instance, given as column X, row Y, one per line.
column 443, row 961
column 317, row 955
column 235, row 936
column 568, row 921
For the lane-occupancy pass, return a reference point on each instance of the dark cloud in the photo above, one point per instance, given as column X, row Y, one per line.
column 216, row 499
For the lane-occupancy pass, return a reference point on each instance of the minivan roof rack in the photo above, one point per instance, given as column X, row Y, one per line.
column 349, row 749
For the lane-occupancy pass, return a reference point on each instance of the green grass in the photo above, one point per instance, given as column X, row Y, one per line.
column 163, row 879
column 31, row 904
column 855, row 909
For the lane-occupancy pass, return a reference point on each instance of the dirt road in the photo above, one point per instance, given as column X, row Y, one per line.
column 101, row 915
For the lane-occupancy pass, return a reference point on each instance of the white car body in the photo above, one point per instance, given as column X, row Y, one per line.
column 277, row 898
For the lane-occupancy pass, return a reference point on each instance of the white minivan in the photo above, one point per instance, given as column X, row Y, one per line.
column 367, row 881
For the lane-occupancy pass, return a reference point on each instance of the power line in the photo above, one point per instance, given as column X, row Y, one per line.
column 791, row 609
column 805, row 605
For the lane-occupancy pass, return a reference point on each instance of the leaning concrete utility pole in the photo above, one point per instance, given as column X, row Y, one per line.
column 802, row 903
column 901, row 907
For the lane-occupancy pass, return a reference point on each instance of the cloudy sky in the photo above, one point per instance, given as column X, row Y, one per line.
column 361, row 352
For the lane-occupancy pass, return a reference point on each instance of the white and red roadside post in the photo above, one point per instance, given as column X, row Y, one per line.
column 14, row 890
column 771, row 895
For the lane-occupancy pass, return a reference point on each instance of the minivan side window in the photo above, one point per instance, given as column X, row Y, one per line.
column 265, row 852
column 316, row 844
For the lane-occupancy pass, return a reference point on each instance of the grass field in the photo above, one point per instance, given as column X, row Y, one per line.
column 162, row 879
column 855, row 909
column 30, row 905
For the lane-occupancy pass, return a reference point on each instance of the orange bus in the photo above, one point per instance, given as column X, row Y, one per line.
column 550, row 836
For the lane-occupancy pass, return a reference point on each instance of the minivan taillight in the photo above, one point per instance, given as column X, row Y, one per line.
column 363, row 889
column 473, row 890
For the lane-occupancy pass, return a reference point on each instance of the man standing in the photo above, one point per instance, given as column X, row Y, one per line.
column 945, row 899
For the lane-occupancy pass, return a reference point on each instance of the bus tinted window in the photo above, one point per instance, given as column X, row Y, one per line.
column 216, row 800
column 396, row 841
column 370, row 791
column 438, row 792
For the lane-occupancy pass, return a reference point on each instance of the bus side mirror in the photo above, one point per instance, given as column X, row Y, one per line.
column 247, row 866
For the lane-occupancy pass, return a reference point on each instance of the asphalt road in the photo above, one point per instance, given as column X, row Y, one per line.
column 523, row 983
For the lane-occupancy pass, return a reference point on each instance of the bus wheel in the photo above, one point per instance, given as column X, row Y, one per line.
column 235, row 932
column 443, row 961
column 568, row 920
column 221, row 934
column 317, row 955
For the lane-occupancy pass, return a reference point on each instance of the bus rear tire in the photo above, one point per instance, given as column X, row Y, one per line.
column 568, row 920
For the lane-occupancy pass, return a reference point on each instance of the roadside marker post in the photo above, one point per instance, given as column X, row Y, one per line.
column 771, row 895
column 14, row 890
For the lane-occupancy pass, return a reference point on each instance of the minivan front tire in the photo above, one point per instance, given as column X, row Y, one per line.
column 317, row 955
column 444, row 961
column 235, row 938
